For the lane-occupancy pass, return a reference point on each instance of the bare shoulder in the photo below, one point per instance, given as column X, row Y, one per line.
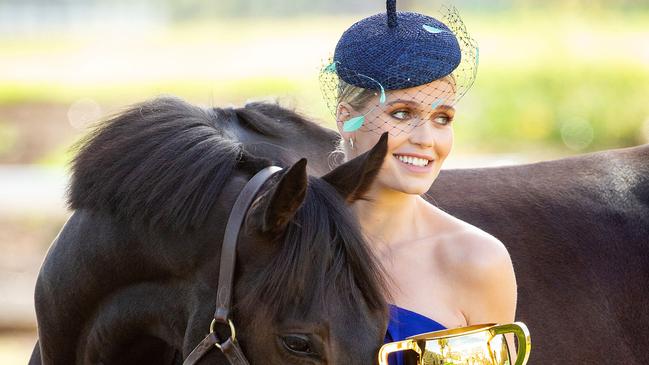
column 482, row 274
column 477, row 268
column 471, row 253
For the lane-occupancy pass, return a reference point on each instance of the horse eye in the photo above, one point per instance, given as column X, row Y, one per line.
column 298, row 344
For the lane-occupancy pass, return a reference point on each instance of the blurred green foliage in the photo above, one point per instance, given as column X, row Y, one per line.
column 554, row 80
column 8, row 136
column 120, row 93
column 528, row 109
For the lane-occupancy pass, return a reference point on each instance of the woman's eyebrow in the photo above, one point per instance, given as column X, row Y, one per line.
column 446, row 108
column 403, row 101
column 413, row 105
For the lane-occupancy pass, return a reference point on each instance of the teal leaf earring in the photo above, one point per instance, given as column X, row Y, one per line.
column 356, row 122
column 353, row 123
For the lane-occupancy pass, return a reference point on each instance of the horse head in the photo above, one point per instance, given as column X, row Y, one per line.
column 308, row 289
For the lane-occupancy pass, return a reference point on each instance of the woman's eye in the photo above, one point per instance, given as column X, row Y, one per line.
column 401, row 114
column 442, row 119
column 298, row 344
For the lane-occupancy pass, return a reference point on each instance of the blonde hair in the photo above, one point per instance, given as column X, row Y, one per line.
column 356, row 97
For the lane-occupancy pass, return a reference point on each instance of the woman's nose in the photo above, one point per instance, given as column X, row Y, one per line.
column 423, row 134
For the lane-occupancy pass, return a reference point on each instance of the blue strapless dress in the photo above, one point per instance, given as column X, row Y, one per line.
column 404, row 323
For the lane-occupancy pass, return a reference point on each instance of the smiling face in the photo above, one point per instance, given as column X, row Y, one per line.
column 419, row 121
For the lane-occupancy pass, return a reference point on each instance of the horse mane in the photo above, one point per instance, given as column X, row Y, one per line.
column 163, row 164
column 160, row 163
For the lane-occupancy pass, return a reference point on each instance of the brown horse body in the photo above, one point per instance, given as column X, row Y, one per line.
column 578, row 233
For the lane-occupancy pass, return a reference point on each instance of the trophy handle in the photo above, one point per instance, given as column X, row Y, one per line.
column 522, row 334
column 398, row 346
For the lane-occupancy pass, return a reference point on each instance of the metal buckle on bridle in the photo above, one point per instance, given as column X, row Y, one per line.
column 233, row 333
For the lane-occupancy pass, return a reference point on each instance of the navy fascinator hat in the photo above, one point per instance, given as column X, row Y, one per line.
column 399, row 50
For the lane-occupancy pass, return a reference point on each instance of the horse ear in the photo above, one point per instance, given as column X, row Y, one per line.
column 275, row 208
column 354, row 178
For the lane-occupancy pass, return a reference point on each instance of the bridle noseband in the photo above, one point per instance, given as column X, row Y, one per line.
column 230, row 347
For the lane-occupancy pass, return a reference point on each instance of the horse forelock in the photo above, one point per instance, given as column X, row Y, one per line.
column 159, row 164
column 321, row 252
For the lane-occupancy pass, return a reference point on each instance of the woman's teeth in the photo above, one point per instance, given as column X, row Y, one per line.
column 413, row 160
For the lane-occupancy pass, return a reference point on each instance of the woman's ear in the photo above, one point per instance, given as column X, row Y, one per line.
column 343, row 112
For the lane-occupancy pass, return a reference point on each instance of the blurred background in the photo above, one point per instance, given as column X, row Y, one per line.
column 556, row 78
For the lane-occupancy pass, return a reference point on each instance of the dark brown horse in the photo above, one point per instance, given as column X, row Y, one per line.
column 131, row 278
column 577, row 230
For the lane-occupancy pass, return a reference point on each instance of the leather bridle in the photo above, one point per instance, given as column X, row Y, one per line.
column 230, row 347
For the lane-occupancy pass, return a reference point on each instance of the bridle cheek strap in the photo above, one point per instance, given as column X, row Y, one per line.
column 230, row 348
column 233, row 353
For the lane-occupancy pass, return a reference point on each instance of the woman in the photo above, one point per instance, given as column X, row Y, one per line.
column 402, row 73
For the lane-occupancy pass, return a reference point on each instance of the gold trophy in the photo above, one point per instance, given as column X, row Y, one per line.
column 484, row 344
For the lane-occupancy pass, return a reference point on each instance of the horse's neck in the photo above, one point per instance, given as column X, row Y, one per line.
column 310, row 140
